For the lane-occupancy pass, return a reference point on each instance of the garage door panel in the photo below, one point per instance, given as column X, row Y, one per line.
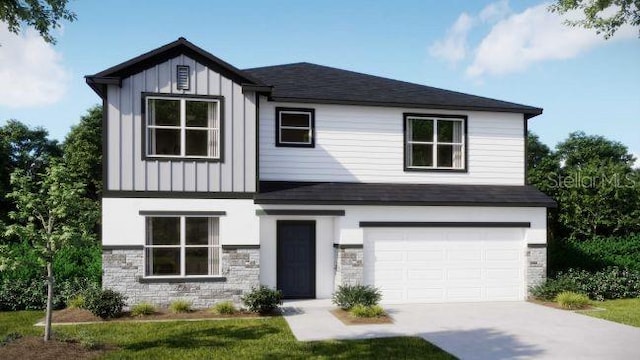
column 441, row 265
column 384, row 256
column 422, row 275
column 501, row 254
column 425, row 255
column 462, row 254
column 502, row 275
column 464, row 274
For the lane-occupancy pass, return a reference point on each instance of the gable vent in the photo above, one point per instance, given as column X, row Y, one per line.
column 182, row 75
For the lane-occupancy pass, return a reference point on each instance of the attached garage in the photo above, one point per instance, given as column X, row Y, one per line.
column 446, row 264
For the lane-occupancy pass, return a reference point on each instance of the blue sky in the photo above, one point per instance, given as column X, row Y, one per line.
column 513, row 51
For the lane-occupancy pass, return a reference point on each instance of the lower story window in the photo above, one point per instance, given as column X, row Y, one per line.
column 182, row 246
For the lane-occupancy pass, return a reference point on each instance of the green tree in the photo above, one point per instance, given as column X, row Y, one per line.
column 593, row 182
column 42, row 15
column 82, row 151
column 605, row 16
column 24, row 148
column 51, row 214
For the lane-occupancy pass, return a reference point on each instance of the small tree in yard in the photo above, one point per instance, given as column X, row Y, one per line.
column 51, row 213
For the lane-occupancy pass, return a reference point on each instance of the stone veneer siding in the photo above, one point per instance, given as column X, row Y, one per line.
column 123, row 271
column 349, row 265
column 536, row 265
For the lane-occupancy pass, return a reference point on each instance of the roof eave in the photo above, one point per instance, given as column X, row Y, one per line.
column 528, row 112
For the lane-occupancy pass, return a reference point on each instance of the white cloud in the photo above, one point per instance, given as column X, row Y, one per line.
column 31, row 71
column 495, row 11
column 534, row 35
column 453, row 47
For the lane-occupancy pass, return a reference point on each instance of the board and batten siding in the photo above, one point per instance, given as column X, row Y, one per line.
column 365, row 144
column 126, row 171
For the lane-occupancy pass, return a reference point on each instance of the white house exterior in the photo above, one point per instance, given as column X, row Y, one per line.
column 304, row 177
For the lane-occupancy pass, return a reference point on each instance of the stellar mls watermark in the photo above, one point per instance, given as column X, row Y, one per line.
column 580, row 180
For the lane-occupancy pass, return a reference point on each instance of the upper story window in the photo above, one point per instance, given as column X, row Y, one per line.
column 181, row 246
column 435, row 142
column 295, row 127
column 182, row 127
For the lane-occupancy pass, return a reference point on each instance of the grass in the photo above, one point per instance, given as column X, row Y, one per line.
column 223, row 339
column 625, row 311
column 20, row 322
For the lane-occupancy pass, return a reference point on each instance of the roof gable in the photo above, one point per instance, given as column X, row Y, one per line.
column 182, row 46
column 305, row 82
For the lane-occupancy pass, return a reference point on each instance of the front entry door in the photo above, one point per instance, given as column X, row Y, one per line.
column 296, row 248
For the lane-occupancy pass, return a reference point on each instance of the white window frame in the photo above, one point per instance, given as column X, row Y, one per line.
column 213, row 130
column 214, row 234
column 308, row 128
column 434, row 143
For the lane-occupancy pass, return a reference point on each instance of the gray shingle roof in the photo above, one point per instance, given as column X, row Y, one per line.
column 273, row 192
column 305, row 82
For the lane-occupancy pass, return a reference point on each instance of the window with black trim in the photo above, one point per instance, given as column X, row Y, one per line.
column 182, row 246
column 178, row 127
column 434, row 142
column 295, row 127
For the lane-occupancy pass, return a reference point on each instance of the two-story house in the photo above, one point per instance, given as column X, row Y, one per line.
column 304, row 177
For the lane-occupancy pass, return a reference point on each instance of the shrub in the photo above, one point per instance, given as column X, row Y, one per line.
column 180, row 306
column 348, row 296
column 262, row 300
column 22, row 294
column 363, row 311
column 595, row 254
column 105, row 303
column 610, row 283
column 552, row 287
column 224, row 308
column 571, row 301
column 77, row 302
column 142, row 309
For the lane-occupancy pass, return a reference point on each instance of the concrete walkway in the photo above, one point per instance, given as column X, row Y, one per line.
column 510, row 330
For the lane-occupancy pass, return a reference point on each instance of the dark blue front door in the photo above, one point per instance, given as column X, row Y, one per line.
column 296, row 249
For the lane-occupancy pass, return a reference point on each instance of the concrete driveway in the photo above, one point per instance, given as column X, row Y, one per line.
column 509, row 330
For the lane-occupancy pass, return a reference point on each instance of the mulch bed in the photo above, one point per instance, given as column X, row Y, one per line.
column 80, row 315
column 349, row 319
column 35, row 348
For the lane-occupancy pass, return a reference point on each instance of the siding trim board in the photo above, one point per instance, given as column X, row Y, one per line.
column 300, row 212
column 347, row 246
column 456, row 224
column 143, row 123
column 239, row 247
column 178, row 194
column 181, row 213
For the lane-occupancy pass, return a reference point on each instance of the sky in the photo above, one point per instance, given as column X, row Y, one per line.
column 509, row 50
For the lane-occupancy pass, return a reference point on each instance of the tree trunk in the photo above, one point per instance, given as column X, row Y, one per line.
column 47, row 321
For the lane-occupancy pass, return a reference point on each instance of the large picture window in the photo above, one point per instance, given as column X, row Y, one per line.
column 433, row 142
column 294, row 127
column 181, row 246
column 182, row 127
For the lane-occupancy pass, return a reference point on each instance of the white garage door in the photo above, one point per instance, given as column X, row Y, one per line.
column 445, row 264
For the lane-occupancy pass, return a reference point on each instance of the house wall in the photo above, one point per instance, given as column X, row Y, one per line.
column 122, row 225
column 126, row 171
column 343, row 264
column 365, row 144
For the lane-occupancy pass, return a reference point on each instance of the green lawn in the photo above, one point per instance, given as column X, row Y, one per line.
column 625, row 311
column 268, row 338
